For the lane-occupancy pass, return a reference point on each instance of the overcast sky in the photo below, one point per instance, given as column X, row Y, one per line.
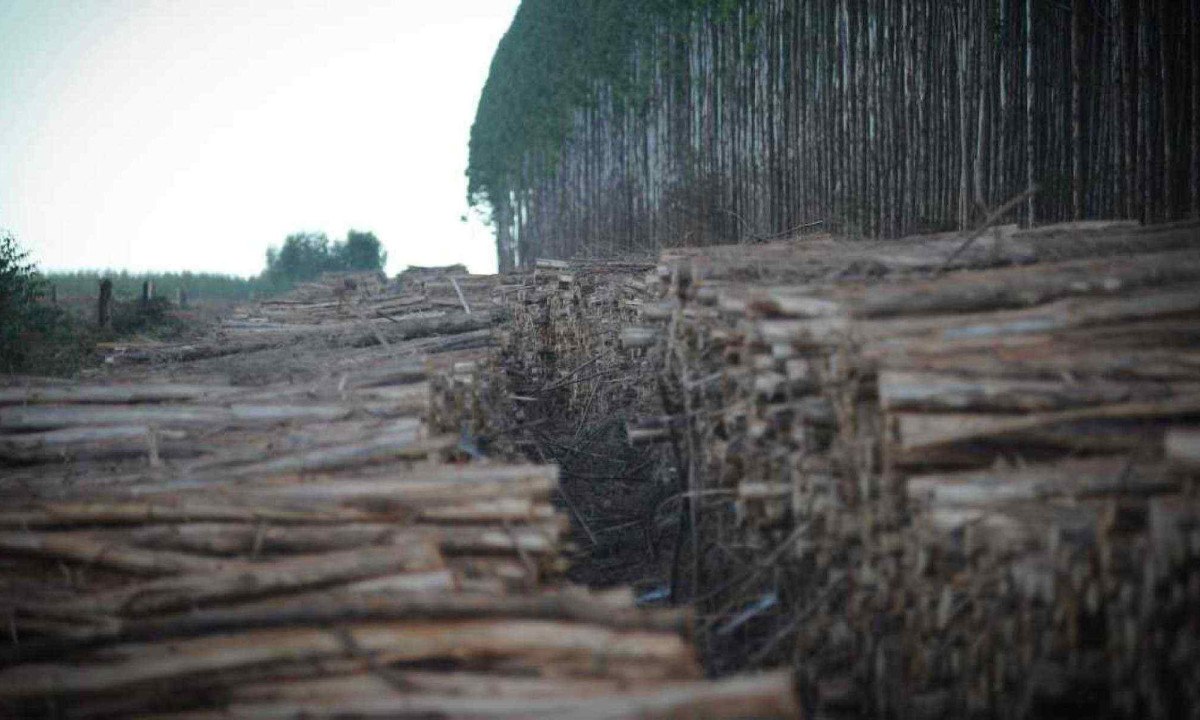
column 192, row 134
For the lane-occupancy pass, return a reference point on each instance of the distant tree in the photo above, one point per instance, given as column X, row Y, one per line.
column 302, row 257
column 362, row 251
column 306, row 255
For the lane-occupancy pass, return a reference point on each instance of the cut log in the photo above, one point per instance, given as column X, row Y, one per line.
column 421, row 581
column 916, row 432
column 453, row 343
column 949, row 393
column 1026, row 286
column 328, row 608
column 108, row 394
column 1085, row 478
column 45, row 417
column 94, row 551
column 1134, row 353
column 410, row 328
column 231, row 539
column 397, row 400
column 898, row 334
column 1078, row 228
column 400, row 441
column 459, row 684
column 489, row 511
column 1061, row 315
column 181, row 662
column 441, row 484
column 784, row 302
column 95, row 442
column 538, row 540
column 411, row 371
column 243, row 580
column 164, row 510
column 758, row 696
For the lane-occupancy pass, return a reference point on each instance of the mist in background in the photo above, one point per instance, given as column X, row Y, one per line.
column 194, row 134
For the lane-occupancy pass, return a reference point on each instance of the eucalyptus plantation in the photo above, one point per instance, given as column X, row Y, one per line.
column 611, row 127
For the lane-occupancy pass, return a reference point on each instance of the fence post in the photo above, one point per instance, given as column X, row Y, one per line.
column 104, row 309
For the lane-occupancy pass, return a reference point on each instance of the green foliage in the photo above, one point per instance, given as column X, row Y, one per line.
column 304, row 256
column 362, row 251
column 156, row 319
column 35, row 336
column 547, row 65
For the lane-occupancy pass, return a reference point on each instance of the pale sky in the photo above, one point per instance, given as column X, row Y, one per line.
column 193, row 134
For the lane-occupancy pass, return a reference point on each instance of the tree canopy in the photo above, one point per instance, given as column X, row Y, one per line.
column 306, row 255
column 549, row 64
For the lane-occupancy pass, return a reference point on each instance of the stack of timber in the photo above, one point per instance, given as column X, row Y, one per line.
column 556, row 349
column 563, row 340
column 943, row 476
column 961, row 446
column 339, row 311
column 342, row 285
column 449, row 285
column 307, row 546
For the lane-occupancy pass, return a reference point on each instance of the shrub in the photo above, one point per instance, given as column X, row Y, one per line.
column 35, row 336
column 155, row 319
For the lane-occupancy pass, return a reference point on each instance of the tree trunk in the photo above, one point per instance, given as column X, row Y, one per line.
column 1030, row 176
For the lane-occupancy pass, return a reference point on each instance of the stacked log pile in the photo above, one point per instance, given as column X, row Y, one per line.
column 340, row 285
column 566, row 330
column 345, row 310
column 943, row 476
column 307, row 548
column 964, row 459
column 449, row 286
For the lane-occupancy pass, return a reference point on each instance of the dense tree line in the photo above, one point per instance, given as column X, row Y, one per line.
column 610, row 127
column 306, row 255
column 199, row 286
column 302, row 256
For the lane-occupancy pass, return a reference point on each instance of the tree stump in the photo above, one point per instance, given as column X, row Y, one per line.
column 104, row 309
